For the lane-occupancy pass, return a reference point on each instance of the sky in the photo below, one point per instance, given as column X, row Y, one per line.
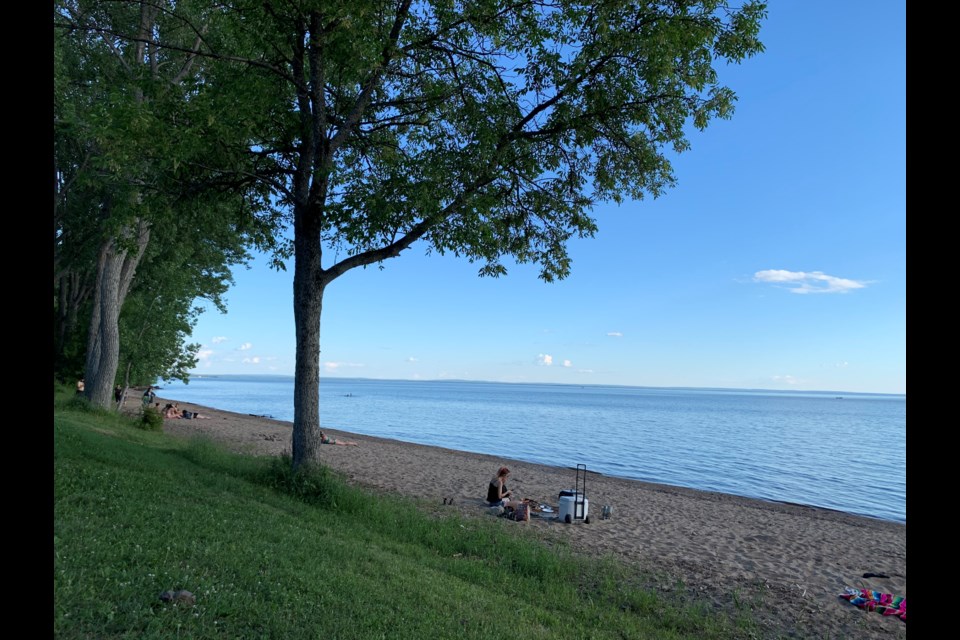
column 777, row 261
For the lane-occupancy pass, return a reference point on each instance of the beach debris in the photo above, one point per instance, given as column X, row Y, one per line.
column 272, row 437
column 181, row 596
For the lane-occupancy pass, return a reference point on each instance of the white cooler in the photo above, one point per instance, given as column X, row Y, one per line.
column 572, row 508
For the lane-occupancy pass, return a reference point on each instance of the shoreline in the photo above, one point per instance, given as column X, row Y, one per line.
column 795, row 558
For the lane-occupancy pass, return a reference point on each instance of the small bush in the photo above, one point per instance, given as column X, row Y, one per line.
column 313, row 483
column 79, row 402
column 150, row 419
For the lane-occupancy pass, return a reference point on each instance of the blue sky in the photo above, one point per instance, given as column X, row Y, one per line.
column 777, row 262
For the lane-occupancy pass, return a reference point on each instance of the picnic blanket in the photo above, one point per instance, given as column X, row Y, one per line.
column 885, row 603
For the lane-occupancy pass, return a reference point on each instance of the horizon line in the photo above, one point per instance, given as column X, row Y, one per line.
column 564, row 384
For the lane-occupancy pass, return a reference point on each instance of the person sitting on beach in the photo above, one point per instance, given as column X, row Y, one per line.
column 192, row 415
column 343, row 443
column 172, row 412
column 497, row 493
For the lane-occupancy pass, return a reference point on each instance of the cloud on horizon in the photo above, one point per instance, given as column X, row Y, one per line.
column 253, row 360
column 567, row 363
column 807, row 281
column 787, row 379
column 544, row 360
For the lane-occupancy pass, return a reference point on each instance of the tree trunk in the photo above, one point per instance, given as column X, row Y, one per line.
column 71, row 294
column 115, row 270
column 308, row 287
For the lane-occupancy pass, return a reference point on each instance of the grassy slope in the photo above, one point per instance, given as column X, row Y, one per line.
column 269, row 555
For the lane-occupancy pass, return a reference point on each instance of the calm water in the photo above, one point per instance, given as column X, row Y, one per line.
column 840, row 451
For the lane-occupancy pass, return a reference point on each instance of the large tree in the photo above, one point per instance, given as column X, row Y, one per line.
column 485, row 128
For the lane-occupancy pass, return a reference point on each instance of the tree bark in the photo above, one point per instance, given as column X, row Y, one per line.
column 115, row 270
column 308, row 288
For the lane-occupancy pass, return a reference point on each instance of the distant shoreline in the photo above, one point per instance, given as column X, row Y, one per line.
column 826, row 392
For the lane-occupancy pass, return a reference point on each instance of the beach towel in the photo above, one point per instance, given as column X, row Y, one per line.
column 885, row 603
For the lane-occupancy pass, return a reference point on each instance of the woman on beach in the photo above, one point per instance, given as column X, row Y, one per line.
column 171, row 411
column 343, row 443
column 497, row 493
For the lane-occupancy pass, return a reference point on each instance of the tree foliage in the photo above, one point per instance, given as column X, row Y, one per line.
column 134, row 166
column 484, row 128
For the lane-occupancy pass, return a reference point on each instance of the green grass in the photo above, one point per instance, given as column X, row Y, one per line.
column 271, row 554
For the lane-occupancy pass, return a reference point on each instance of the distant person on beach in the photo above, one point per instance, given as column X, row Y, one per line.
column 172, row 412
column 80, row 386
column 117, row 394
column 498, row 495
column 148, row 396
column 192, row 415
column 343, row 443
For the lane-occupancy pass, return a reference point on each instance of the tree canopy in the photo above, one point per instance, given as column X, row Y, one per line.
column 484, row 128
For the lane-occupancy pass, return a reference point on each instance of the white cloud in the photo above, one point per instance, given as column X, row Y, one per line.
column 204, row 354
column 219, row 339
column 614, row 334
column 787, row 379
column 842, row 365
column 807, row 281
column 246, row 346
column 253, row 360
column 411, row 359
column 544, row 360
column 567, row 363
column 584, row 370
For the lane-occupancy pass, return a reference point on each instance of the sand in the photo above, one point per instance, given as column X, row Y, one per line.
column 791, row 561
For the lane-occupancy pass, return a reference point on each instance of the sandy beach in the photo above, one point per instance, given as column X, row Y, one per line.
column 794, row 559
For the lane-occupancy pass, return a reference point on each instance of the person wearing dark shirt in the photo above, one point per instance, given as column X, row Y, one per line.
column 498, row 495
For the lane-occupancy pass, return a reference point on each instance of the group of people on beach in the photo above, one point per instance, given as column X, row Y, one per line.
column 173, row 412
